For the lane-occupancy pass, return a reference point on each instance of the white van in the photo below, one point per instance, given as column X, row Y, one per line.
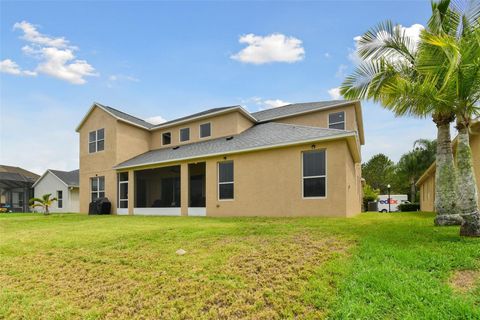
column 395, row 200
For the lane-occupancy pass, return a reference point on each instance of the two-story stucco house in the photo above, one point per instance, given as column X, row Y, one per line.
column 297, row 160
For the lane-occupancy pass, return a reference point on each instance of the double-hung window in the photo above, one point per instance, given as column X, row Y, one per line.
column 96, row 140
column 97, row 187
column 184, row 134
column 123, row 190
column 205, row 130
column 336, row 120
column 60, row 199
column 314, row 174
column 225, row 180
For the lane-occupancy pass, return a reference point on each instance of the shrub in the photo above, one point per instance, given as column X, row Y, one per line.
column 369, row 194
column 405, row 207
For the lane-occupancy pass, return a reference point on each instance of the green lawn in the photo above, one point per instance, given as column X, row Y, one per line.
column 375, row 266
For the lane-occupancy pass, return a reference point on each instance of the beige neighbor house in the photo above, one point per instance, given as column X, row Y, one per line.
column 426, row 183
column 297, row 160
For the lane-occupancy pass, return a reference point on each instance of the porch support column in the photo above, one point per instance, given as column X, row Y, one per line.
column 184, row 188
column 131, row 191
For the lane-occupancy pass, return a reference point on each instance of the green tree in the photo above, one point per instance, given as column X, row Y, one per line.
column 378, row 172
column 369, row 194
column 45, row 202
column 389, row 74
column 409, row 167
column 450, row 59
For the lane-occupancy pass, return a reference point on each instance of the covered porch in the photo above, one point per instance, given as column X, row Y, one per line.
column 15, row 192
column 173, row 190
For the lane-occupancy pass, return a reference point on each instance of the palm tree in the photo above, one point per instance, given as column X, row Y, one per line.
column 409, row 166
column 389, row 75
column 450, row 58
column 44, row 202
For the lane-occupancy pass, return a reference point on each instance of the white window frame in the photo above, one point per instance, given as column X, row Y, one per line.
column 59, row 199
column 98, row 187
column 344, row 120
column 166, row 144
column 180, row 134
column 310, row 177
column 226, row 182
column 96, row 140
column 119, row 184
column 200, row 130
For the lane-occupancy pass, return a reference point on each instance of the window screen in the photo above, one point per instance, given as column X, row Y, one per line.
column 314, row 173
column 336, row 120
column 205, row 130
column 166, row 138
column 184, row 134
column 225, row 181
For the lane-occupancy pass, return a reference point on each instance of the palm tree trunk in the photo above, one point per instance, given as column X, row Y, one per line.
column 445, row 177
column 468, row 197
column 413, row 191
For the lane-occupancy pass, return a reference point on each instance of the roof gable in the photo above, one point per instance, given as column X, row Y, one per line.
column 68, row 178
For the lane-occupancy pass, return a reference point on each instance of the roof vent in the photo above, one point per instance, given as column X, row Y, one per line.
column 229, row 138
column 175, row 148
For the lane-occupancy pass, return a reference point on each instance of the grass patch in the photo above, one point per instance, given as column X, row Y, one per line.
column 375, row 266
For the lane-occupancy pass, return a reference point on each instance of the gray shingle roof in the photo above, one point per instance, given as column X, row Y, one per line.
column 203, row 113
column 261, row 135
column 291, row 109
column 70, row 178
column 128, row 117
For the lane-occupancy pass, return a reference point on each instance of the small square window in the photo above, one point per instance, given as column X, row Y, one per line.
column 166, row 138
column 184, row 134
column 336, row 120
column 205, row 130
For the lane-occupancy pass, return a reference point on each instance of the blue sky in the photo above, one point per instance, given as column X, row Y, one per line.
column 169, row 59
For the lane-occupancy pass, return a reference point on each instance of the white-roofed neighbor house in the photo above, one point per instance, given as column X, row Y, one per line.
column 63, row 185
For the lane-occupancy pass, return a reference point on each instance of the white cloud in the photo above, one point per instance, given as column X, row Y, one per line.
column 11, row 67
column 271, row 48
column 274, row 103
column 413, row 32
column 56, row 57
column 156, row 120
column 335, row 93
column 263, row 104
column 341, row 71
column 60, row 64
column 31, row 34
column 116, row 78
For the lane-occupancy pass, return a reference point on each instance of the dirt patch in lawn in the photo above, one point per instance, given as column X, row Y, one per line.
column 254, row 277
column 464, row 281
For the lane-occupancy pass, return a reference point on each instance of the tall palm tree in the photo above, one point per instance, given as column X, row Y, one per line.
column 450, row 59
column 44, row 202
column 389, row 75
column 409, row 166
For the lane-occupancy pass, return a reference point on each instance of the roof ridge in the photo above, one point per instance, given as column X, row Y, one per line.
column 297, row 103
column 128, row 114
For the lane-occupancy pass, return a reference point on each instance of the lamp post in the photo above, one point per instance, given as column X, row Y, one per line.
column 388, row 187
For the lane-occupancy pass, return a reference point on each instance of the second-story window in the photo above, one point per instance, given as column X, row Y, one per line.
column 205, row 130
column 96, row 140
column 166, row 138
column 184, row 134
column 336, row 120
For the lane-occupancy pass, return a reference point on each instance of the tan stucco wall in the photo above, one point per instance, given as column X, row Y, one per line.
column 427, row 188
column 320, row 118
column 221, row 126
column 269, row 183
column 122, row 142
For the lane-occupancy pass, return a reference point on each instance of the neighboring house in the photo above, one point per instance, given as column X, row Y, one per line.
column 63, row 185
column 297, row 160
column 16, row 188
column 426, row 182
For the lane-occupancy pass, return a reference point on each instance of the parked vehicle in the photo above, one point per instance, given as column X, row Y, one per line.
column 395, row 200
